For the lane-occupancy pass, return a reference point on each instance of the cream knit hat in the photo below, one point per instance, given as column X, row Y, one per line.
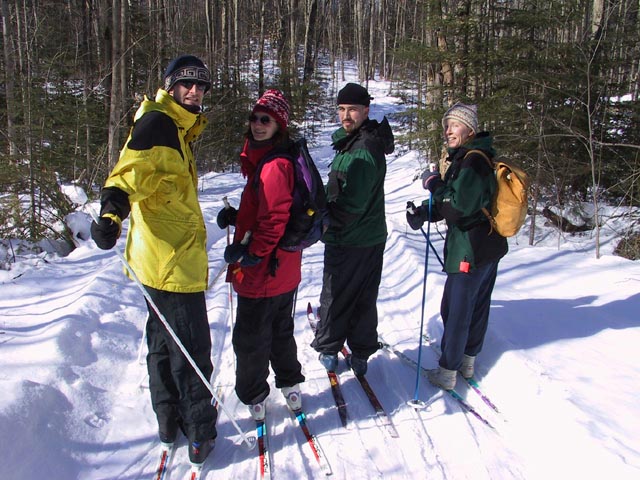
column 465, row 114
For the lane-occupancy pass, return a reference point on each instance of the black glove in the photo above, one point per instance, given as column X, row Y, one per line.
column 226, row 217
column 416, row 216
column 249, row 260
column 238, row 251
column 105, row 233
column 427, row 177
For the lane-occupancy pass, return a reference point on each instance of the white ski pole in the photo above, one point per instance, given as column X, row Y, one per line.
column 250, row 442
column 245, row 240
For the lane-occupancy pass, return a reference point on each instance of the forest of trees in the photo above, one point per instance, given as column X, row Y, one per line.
column 557, row 83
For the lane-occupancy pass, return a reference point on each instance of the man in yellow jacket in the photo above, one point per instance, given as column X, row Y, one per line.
column 155, row 181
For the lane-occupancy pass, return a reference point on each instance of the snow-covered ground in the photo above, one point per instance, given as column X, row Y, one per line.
column 560, row 361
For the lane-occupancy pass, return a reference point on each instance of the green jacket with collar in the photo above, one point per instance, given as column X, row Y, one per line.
column 468, row 185
column 355, row 189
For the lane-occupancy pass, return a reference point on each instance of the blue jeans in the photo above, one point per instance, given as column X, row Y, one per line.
column 465, row 313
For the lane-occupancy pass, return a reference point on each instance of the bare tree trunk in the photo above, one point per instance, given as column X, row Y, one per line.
column 358, row 22
column 309, row 41
column 373, row 17
column 225, row 46
column 115, row 103
column 383, row 27
column 340, row 42
column 598, row 27
column 398, row 28
column 124, row 14
column 261, row 53
column 208, row 15
column 85, row 55
column 161, row 38
column 597, row 12
column 25, row 42
column 331, row 39
column 292, row 62
column 236, row 43
column 535, row 189
column 10, row 74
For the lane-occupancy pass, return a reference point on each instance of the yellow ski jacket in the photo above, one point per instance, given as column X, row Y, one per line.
column 166, row 241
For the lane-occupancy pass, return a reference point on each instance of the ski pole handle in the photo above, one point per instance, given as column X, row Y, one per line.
column 245, row 241
column 432, row 168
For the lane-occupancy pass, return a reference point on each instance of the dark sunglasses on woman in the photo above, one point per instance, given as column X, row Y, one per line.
column 264, row 120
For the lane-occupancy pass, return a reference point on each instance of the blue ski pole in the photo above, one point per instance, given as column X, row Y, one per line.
column 416, row 402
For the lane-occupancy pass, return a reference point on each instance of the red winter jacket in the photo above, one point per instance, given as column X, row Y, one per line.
column 265, row 212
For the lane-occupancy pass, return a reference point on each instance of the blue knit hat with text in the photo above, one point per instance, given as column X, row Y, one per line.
column 187, row 67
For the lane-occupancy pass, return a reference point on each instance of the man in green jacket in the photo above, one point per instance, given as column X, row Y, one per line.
column 357, row 232
column 155, row 180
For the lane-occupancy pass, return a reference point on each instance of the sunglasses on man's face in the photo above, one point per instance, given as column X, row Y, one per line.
column 188, row 84
column 264, row 120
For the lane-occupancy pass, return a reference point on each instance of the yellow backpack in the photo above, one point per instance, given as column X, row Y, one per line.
column 510, row 202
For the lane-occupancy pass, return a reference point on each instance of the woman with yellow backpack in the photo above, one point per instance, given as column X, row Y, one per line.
column 472, row 246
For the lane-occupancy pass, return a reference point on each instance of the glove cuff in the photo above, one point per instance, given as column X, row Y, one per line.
column 114, row 218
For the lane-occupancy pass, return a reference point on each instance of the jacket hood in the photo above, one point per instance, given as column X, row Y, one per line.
column 382, row 131
column 378, row 130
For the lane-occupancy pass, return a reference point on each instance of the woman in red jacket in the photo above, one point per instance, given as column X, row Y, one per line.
column 264, row 276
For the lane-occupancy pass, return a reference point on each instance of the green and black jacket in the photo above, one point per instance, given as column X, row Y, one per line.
column 355, row 189
column 467, row 187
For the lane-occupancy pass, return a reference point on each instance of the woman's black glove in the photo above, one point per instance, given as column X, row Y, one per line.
column 227, row 216
column 237, row 252
column 416, row 216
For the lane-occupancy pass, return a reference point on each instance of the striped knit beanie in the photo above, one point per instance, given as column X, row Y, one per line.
column 465, row 114
column 274, row 103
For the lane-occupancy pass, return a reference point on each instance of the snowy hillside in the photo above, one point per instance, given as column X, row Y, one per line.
column 560, row 362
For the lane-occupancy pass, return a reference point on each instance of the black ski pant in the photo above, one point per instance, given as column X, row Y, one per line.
column 465, row 313
column 263, row 334
column 178, row 395
column 348, row 311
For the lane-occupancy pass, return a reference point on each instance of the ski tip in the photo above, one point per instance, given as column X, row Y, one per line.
column 309, row 308
column 196, row 472
column 250, row 442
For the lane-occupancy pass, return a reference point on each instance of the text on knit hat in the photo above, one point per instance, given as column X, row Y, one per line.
column 186, row 67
